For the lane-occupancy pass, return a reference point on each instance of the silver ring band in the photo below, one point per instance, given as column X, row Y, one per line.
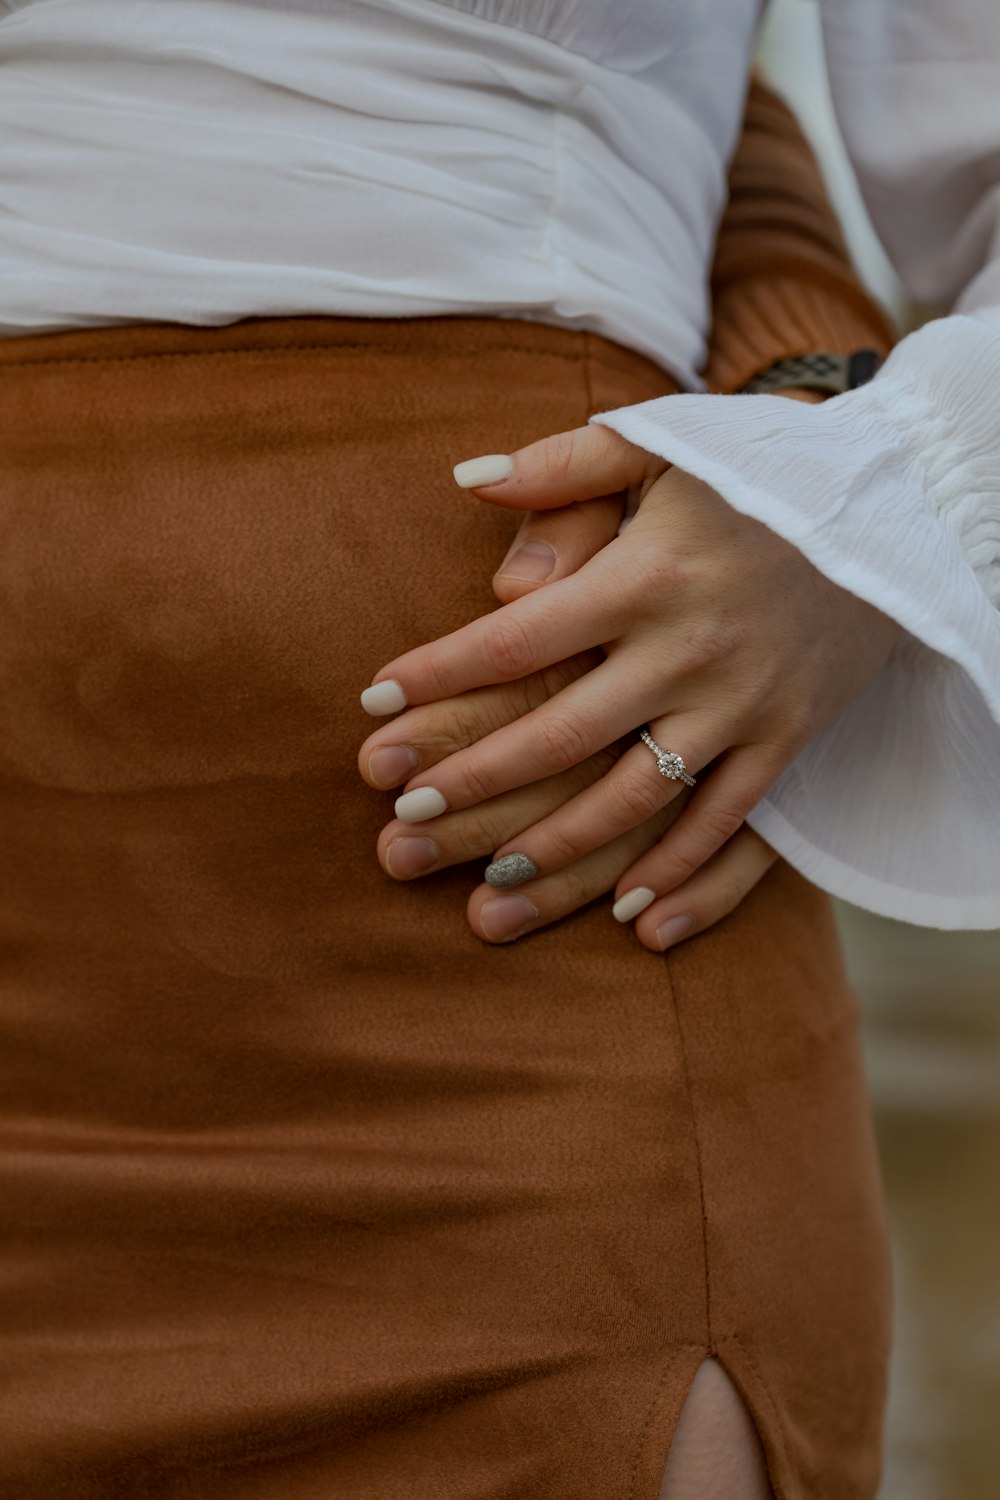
column 667, row 762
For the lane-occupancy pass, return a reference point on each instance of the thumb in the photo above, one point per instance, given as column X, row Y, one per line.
column 555, row 543
column 583, row 464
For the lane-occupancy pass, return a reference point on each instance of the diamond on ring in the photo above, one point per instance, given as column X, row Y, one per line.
column 668, row 763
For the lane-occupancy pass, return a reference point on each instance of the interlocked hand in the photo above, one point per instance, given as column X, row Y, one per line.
column 698, row 621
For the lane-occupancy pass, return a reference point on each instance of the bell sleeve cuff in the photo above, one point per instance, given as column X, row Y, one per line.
column 893, row 492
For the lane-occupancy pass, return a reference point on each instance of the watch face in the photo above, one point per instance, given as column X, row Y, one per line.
column 862, row 365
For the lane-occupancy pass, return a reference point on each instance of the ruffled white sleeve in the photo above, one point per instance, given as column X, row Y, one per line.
column 893, row 491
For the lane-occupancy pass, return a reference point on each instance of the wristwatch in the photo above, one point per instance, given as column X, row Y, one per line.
column 832, row 373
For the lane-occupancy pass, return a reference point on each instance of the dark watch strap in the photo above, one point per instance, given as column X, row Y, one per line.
column 832, row 373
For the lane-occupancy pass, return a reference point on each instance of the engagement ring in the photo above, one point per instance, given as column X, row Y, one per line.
column 667, row 762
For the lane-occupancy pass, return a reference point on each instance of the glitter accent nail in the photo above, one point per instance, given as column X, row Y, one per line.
column 510, row 870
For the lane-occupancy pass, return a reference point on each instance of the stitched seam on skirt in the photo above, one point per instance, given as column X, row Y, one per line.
column 644, row 1434
column 697, row 1147
column 704, row 1231
column 368, row 348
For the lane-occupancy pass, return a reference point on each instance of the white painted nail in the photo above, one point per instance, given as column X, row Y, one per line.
column 384, row 698
column 475, row 473
column 416, row 807
column 632, row 903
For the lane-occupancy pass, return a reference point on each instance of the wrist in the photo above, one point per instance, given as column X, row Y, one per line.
column 780, row 310
column 804, row 393
column 823, row 371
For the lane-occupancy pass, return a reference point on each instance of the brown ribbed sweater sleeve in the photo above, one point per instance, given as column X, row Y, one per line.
column 782, row 279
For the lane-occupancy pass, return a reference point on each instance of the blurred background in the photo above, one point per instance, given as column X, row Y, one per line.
column 931, row 1002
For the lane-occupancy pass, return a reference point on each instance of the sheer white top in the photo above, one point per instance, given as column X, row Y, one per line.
column 209, row 160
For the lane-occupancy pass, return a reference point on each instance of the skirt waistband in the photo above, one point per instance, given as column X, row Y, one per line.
column 447, row 334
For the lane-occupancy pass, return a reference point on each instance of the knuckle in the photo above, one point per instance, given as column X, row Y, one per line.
column 800, row 721
column 563, row 848
column 603, row 760
column 683, row 866
column 721, row 636
column 536, row 690
column 727, row 897
column 722, row 822
column 477, row 782
column 509, row 647
column 640, row 797
column 557, row 458
column 493, row 709
column 711, row 641
column 449, row 728
column 684, row 858
column 562, row 740
column 512, row 700
column 574, row 889
column 658, row 574
column 579, row 777
column 477, row 832
column 552, row 679
column 435, row 684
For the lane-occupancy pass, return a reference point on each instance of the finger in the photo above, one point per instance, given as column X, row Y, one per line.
column 632, row 792
column 408, row 850
column 576, row 465
column 584, row 718
column 546, row 626
column 709, row 895
column 555, row 543
column 421, row 737
column 714, row 814
column 502, row 916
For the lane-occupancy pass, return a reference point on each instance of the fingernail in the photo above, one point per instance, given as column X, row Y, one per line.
column 506, row 915
column 511, row 869
column 632, row 903
column 672, row 929
column 384, row 698
column 475, row 473
column 415, row 807
column 411, row 856
column 532, row 563
column 392, row 764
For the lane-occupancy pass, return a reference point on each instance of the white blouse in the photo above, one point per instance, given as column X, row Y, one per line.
column 203, row 161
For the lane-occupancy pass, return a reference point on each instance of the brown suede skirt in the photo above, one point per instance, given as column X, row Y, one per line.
column 307, row 1193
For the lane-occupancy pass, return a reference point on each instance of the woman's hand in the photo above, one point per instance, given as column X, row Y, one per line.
column 422, row 737
column 716, row 632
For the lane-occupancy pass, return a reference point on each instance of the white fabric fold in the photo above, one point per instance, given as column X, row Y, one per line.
column 893, row 492
column 203, row 161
